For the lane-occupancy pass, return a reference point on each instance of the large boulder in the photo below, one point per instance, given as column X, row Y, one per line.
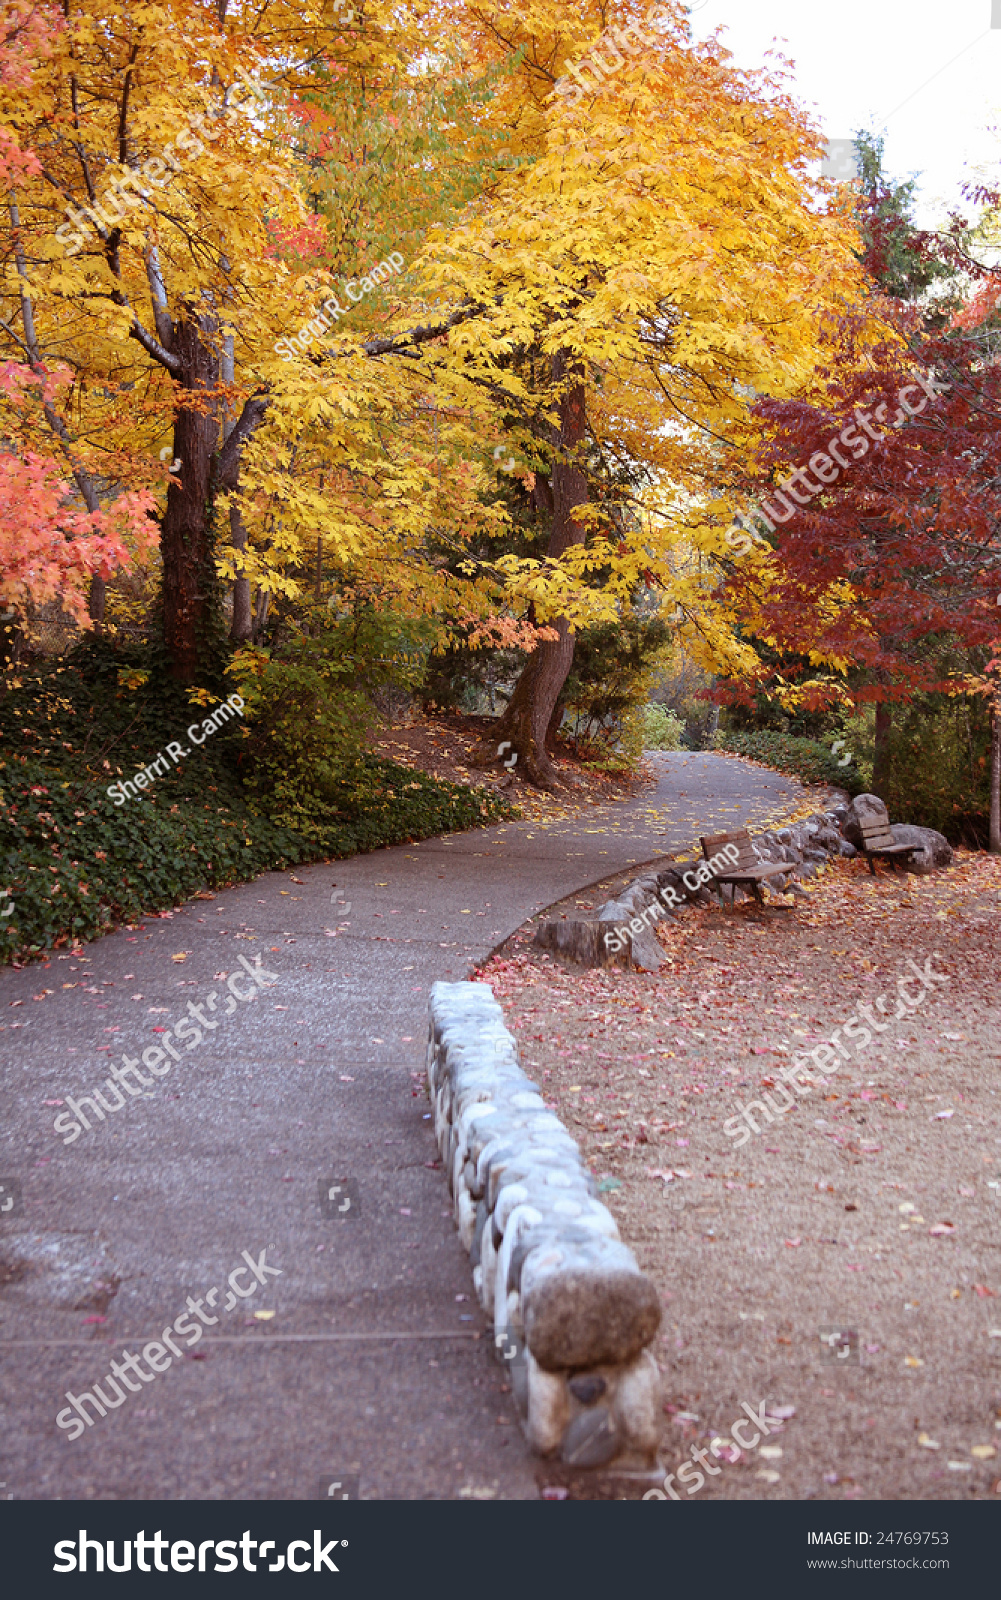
column 674, row 878
column 935, row 850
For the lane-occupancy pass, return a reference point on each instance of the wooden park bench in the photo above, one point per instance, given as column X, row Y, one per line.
column 749, row 872
column 877, row 840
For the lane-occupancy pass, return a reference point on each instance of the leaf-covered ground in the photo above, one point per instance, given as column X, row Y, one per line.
column 872, row 1208
column 443, row 746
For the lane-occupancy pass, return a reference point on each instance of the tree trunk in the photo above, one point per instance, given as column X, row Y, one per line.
column 261, row 618
column 242, row 624
column 881, row 760
column 995, row 776
column 185, row 539
column 98, row 594
column 240, row 627
column 526, row 718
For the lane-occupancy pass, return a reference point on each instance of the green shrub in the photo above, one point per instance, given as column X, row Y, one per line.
column 304, row 735
column 75, row 864
column 938, row 763
column 938, row 767
column 806, row 759
column 662, row 730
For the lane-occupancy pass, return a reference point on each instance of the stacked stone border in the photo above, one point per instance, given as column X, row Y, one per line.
column 622, row 934
column 572, row 1314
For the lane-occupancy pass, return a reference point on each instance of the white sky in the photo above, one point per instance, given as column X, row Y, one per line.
column 857, row 60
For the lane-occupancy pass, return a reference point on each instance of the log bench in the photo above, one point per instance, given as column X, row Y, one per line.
column 749, row 871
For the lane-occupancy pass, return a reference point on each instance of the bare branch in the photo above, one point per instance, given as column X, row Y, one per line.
column 227, row 472
column 154, row 348
column 400, row 344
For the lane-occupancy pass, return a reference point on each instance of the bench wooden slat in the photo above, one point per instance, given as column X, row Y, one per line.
column 747, row 865
column 761, row 869
column 748, row 868
column 714, row 842
column 713, row 845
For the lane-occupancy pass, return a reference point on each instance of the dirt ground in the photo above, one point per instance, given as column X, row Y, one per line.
column 443, row 745
column 842, row 1268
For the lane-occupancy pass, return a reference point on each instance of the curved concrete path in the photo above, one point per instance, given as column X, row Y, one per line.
column 372, row 1362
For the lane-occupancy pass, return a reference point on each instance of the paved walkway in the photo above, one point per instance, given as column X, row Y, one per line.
column 366, row 1356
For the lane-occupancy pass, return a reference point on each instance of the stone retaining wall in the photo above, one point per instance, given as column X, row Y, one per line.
column 573, row 1316
column 623, row 934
